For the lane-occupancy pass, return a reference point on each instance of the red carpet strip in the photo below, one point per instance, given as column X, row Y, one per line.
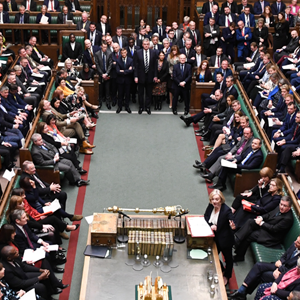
column 232, row 282
column 69, row 266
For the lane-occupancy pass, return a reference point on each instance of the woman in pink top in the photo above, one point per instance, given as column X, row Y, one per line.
column 294, row 8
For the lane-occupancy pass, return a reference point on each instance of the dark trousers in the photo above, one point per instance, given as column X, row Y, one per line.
column 123, row 92
column 224, row 174
column 113, row 90
column 6, row 154
column 227, row 252
column 286, row 155
column 212, row 158
column 196, row 118
column 261, row 272
column 142, row 88
column 104, row 92
column 185, row 95
column 216, row 129
column 61, row 196
column 42, row 288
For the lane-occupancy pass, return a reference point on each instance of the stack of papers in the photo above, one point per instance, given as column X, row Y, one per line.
column 31, row 255
column 198, row 226
column 54, row 206
column 228, row 164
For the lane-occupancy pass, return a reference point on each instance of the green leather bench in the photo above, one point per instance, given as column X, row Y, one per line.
column 266, row 254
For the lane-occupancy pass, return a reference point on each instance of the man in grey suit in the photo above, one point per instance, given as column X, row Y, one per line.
column 45, row 154
column 103, row 60
column 83, row 24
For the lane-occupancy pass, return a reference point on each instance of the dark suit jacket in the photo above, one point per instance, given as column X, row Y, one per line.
column 203, row 57
column 69, row 53
column 288, row 123
column 99, row 62
column 107, row 28
column 217, row 87
column 39, row 17
column 212, row 59
column 274, row 8
column 192, row 54
column 251, row 19
column 288, row 260
column 155, row 30
column 222, row 19
column 98, row 37
column 16, row 276
column 163, row 74
column 136, row 48
column 178, row 77
column 241, row 7
column 234, row 8
column 13, row 3
column 292, row 45
column 56, row 4
column 198, row 36
column 32, row 5
column 289, row 137
column 284, row 293
column 208, row 16
column 124, row 40
column 87, row 59
column 206, row 7
column 60, row 17
column 68, row 3
column 223, row 235
column 79, row 25
column 256, row 35
column 257, row 7
column 215, row 34
column 18, row 16
column 266, row 203
column 228, row 72
column 139, row 66
column 124, row 77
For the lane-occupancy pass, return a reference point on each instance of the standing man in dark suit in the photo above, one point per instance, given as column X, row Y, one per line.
column 64, row 16
column 277, row 7
column 103, row 26
column 145, row 74
column 72, row 50
column 120, row 38
column 259, row 6
column 216, row 59
column 182, row 77
column 268, row 230
column 73, row 5
column 232, row 5
column 10, row 5
column 182, row 40
column 243, row 37
column 228, row 41
column 241, row 7
column 211, row 37
column 124, row 70
column 95, row 36
column 247, row 17
column 89, row 54
column 288, row 16
column 159, row 28
column 21, row 18
column 84, row 23
column 268, row 272
column 207, row 6
column 227, row 17
column 52, row 5
column 30, row 5
column 189, row 52
column 104, row 64
column 195, row 34
column 113, row 74
column 212, row 14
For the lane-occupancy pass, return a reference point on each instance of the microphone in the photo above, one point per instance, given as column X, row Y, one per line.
column 124, row 215
column 184, row 213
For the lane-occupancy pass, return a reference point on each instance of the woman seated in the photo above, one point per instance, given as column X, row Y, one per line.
column 262, row 204
column 72, row 72
column 53, row 136
column 62, row 86
column 86, row 73
column 203, row 72
column 282, row 287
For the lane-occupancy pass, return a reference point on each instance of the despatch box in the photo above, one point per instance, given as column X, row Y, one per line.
column 104, row 229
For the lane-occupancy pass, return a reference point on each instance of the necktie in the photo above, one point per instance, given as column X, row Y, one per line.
column 210, row 6
column 287, row 17
column 181, row 67
column 230, row 120
column 187, row 52
column 83, row 25
column 37, row 52
column 247, row 21
column 262, row 6
column 124, row 64
column 45, row 148
column 28, row 239
column 146, row 62
column 28, row 5
column 278, row 7
column 117, row 55
column 92, row 38
column 247, row 157
column 120, row 42
column 238, row 152
column 278, row 214
column 9, row 6
column 52, row 7
column 132, row 51
column 104, row 63
column 92, row 57
column 22, row 19
column 295, row 132
column 228, row 21
column 195, row 37
column 65, row 19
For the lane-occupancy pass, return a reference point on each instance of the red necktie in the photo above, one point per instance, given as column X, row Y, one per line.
column 28, row 6
column 243, row 34
column 28, row 239
column 52, row 8
column 296, row 129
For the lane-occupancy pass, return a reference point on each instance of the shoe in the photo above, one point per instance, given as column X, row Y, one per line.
column 95, row 116
column 204, row 139
column 197, row 162
column 174, row 112
column 64, row 286
column 140, row 110
column 87, row 134
column 237, row 296
column 81, row 171
column 82, row 182
column 86, row 145
column 198, row 134
column 85, row 151
column 100, row 104
column 118, row 110
column 57, row 291
column 204, row 133
column 217, row 187
column 108, row 106
column 186, row 112
column 238, row 258
column 199, row 130
column 58, row 270
column 148, row 111
column 208, row 177
column 114, row 103
column 198, row 166
column 76, row 227
column 62, row 250
column 128, row 110
column 64, row 236
column 133, row 100
column 185, row 120
column 76, row 218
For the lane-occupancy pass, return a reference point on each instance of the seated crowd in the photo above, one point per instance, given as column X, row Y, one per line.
column 157, row 64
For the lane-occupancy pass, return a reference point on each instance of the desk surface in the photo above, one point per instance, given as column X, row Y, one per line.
column 113, row 279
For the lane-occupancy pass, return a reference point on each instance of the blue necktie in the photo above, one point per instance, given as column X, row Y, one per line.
column 104, row 63
column 247, row 157
column 43, row 147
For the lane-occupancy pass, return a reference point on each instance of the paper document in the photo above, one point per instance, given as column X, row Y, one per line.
column 255, row 111
column 52, row 248
column 259, row 87
column 273, row 145
column 198, row 226
column 37, row 75
column 54, row 206
column 271, row 122
column 31, row 255
column 44, row 20
column 30, row 295
column 31, row 88
column 8, row 175
column 61, row 64
column 287, row 67
column 249, row 65
column 262, row 123
column 41, row 83
column 6, row 54
column 72, row 141
column 45, row 68
column 228, row 164
column 89, row 219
